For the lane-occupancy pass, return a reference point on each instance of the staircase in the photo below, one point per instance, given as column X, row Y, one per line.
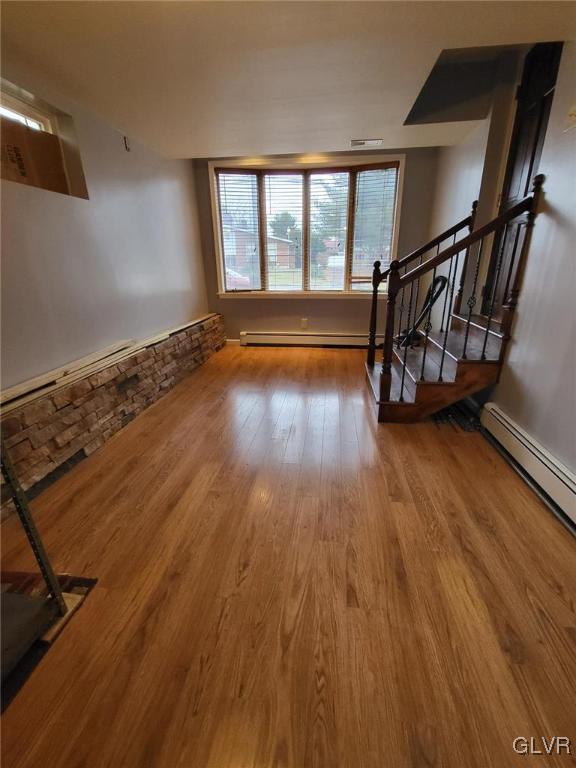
column 434, row 355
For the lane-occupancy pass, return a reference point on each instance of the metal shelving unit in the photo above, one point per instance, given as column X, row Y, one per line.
column 25, row 618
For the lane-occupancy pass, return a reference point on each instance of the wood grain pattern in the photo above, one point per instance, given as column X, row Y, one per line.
column 284, row 582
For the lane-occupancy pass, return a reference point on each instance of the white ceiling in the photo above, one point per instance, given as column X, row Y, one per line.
column 208, row 79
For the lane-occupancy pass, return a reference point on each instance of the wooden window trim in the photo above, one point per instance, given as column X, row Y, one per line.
column 350, row 231
column 262, row 232
column 306, row 233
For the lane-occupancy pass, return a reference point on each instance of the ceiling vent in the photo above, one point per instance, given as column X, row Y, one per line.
column 366, row 142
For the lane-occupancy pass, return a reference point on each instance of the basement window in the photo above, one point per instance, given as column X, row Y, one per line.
column 19, row 112
column 304, row 231
column 38, row 146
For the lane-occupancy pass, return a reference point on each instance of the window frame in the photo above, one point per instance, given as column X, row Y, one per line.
column 28, row 112
column 304, row 165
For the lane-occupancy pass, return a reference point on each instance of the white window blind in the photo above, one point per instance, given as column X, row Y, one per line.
column 328, row 229
column 284, row 206
column 238, row 197
column 373, row 222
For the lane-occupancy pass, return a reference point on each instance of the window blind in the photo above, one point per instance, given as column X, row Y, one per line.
column 284, row 206
column 375, row 201
column 239, row 221
column 328, row 229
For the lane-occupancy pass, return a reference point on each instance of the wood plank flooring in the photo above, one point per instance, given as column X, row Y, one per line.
column 284, row 582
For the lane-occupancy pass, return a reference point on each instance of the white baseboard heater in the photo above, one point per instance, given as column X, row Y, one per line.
column 556, row 480
column 305, row 339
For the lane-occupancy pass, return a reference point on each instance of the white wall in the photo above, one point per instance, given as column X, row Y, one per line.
column 458, row 179
column 538, row 385
column 79, row 275
column 458, row 184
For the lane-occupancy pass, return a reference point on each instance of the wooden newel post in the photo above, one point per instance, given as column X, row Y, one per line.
column 515, row 279
column 458, row 301
column 376, row 280
column 393, row 288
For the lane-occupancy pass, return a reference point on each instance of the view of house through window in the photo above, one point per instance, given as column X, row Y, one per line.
column 315, row 230
column 284, row 200
column 329, row 195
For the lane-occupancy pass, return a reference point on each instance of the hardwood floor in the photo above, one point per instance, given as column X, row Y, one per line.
column 284, row 582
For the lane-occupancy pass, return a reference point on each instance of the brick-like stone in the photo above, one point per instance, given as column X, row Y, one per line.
column 20, row 436
column 129, row 362
column 39, row 456
column 102, row 377
column 80, row 389
column 93, row 445
column 90, row 420
column 62, row 398
column 69, row 415
column 42, row 436
column 65, row 437
column 11, row 426
column 145, row 355
column 37, row 411
column 60, row 455
column 20, row 451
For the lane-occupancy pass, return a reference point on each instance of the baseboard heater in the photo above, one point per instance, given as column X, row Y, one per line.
column 556, row 480
column 298, row 339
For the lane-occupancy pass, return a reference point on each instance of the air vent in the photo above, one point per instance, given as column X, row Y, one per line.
column 366, row 142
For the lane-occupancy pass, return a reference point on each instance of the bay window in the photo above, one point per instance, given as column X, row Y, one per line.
column 313, row 230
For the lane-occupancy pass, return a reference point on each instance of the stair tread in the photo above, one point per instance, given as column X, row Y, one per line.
column 414, row 357
column 481, row 321
column 396, row 383
column 409, row 392
column 455, row 344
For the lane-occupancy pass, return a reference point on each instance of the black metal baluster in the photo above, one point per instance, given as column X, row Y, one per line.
column 406, row 342
column 446, row 294
column 401, row 313
column 428, row 324
column 472, row 298
column 519, row 226
column 494, row 287
column 417, row 290
column 449, row 287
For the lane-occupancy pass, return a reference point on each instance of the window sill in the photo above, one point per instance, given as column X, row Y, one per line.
column 301, row 294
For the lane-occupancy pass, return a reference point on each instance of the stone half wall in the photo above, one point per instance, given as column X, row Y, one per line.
column 50, row 434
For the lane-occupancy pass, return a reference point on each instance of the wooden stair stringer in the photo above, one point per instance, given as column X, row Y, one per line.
column 472, row 376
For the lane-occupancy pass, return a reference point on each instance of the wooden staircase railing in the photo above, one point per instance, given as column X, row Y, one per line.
column 379, row 277
column 508, row 230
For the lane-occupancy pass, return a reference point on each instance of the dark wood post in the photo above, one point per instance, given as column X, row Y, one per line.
column 386, row 374
column 511, row 300
column 376, row 280
column 458, row 302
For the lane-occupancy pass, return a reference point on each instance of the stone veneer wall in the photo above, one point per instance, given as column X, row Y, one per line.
column 51, row 433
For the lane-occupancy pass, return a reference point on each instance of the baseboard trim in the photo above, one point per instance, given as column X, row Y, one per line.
column 298, row 339
column 556, row 480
